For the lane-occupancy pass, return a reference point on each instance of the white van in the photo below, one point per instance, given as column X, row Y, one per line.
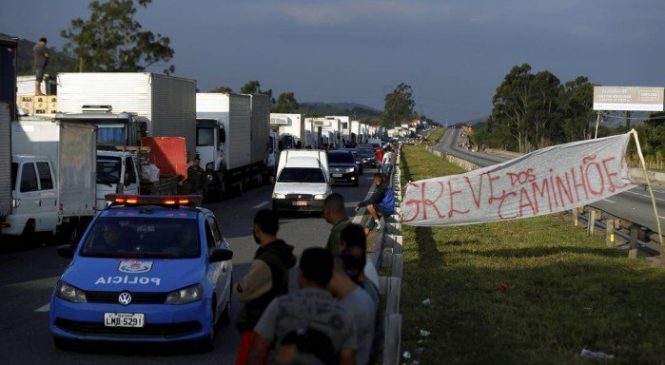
column 303, row 181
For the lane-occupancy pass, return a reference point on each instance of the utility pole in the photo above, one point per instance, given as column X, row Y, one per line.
column 628, row 120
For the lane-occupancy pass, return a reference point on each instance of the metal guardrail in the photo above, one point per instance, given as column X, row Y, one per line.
column 389, row 239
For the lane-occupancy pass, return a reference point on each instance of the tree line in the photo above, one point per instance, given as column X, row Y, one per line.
column 532, row 111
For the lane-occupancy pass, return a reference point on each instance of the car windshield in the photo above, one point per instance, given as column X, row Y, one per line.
column 301, row 175
column 365, row 152
column 341, row 158
column 135, row 237
column 108, row 170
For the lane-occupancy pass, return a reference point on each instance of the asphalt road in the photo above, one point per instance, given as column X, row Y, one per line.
column 29, row 274
column 633, row 205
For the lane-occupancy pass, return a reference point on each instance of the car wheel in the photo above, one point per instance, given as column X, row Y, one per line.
column 225, row 318
column 207, row 343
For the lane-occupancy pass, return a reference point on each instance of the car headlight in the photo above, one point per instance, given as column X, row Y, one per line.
column 185, row 295
column 320, row 196
column 69, row 293
column 278, row 196
column 351, row 169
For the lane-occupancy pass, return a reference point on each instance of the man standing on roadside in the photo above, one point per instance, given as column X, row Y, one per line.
column 360, row 306
column 378, row 153
column 267, row 279
column 388, row 162
column 334, row 213
column 312, row 307
column 40, row 56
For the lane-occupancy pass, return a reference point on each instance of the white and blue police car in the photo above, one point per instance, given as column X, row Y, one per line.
column 148, row 268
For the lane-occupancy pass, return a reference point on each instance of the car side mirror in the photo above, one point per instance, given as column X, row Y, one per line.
column 66, row 251
column 221, row 254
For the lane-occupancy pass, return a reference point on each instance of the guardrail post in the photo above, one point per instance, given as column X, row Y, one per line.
column 398, row 265
column 391, row 345
column 634, row 232
column 610, row 224
column 591, row 227
column 576, row 217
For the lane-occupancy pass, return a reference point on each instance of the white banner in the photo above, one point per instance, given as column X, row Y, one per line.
column 550, row 180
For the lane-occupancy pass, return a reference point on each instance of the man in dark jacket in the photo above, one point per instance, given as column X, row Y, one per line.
column 372, row 203
column 268, row 277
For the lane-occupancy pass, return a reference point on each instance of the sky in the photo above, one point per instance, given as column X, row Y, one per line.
column 453, row 53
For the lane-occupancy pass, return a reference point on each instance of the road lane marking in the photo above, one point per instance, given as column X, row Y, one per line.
column 43, row 308
column 261, row 205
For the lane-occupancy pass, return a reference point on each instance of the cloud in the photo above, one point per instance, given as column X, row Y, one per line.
column 345, row 11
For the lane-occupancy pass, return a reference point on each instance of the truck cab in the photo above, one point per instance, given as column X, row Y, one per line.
column 210, row 139
column 117, row 172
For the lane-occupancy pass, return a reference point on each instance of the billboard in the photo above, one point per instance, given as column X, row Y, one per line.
column 628, row 98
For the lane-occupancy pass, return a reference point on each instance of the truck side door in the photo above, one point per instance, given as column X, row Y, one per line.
column 48, row 218
column 27, row 194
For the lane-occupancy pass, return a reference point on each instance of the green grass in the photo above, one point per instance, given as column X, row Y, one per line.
column 436, row 134
column 530, row 291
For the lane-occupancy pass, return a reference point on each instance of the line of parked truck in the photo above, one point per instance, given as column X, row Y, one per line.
column 137, row 133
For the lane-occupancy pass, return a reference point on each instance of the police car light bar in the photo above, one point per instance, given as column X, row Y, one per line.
column 162, row 200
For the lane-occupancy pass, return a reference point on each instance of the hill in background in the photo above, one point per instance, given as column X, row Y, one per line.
column 354, row 110
column 58, row 61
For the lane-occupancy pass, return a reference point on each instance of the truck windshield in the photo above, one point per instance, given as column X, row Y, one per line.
column 108, row 170
column 111, row 134
column 205, row 137
column 138, row 237
column 301, row 175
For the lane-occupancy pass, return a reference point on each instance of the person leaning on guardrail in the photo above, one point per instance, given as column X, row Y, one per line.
column 372, row 203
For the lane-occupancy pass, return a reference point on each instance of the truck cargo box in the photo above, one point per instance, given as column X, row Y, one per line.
column 5, row 161
column 260, row 127
column 168, row 103
column 232, row 111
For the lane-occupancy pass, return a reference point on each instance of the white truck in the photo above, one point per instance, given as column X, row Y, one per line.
column 232, row 139
column 303, row 181
column 116, row 171
column 292, row 131
column 167, row 104
column 53, row 184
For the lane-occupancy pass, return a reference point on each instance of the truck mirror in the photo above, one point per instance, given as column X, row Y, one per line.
column 120, row 188
column 222, row 135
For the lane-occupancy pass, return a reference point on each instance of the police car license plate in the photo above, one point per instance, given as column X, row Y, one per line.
column 123, row 319
column 337, row 175
column 300, row 203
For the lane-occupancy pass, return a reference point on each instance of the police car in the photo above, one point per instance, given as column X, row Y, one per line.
column 148, row 268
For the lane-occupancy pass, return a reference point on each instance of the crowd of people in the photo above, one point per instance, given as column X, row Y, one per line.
column 333, row 316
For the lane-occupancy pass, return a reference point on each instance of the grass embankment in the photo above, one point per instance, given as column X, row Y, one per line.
column 436, row 134
column 530, row 291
